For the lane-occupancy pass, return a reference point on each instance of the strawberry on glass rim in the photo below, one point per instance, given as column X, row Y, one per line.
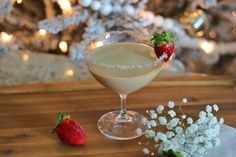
column 164, row 44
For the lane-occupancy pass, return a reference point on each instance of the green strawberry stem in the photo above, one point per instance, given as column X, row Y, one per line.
column 160, row 38
column 61, row 117
column 171, row 153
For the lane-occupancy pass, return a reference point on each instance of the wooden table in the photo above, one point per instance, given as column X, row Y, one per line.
column 28, row 112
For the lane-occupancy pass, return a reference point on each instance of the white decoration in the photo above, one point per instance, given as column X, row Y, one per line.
column 171, row 104
column 172, row 113
column 160, row 108
column 158, row 21
column 106, row 9
column 184, row 100
column 139, row 131
column 215, row 107
column 116, row 8
column 129, row 9
column 85, row 3
column 168, row 24
column 96, row 5
column 146, row 151
column 190, row 139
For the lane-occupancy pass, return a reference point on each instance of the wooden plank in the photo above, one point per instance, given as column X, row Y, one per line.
column 192, row 80
column 28, row 112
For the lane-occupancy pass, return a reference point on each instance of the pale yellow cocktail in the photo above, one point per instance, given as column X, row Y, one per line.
column 124, row 67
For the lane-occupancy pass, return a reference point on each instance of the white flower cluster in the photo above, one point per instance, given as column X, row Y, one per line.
column 182, row 133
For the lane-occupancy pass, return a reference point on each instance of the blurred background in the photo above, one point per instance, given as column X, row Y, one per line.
column 44, row 40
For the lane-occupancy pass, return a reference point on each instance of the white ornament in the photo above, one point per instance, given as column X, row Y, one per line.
column 96, row 5
column 85, row 3
column 158, row 21
column 106, row 9
column 116, row 8
column 168, row 24
column 129, row 9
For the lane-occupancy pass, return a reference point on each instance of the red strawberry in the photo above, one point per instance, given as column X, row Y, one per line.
column 69, row 131
column 164, row 45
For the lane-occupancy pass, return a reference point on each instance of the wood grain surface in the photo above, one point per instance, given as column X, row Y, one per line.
column 28, row 112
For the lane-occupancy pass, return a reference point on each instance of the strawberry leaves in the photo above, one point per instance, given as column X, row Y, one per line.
column 160, row 38
column 60, row 118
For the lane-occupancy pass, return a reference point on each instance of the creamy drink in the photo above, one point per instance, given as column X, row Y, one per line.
column 124, row 67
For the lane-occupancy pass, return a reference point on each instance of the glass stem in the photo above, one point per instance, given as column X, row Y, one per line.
column 123, row 115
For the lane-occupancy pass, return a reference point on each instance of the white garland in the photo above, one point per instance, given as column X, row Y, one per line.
column 55, row 25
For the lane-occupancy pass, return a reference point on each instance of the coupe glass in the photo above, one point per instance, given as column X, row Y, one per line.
column 123, row 62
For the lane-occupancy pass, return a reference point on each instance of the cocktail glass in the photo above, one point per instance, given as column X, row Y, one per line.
column 124, row 62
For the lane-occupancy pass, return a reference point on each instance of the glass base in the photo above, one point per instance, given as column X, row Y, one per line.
column 114, row 127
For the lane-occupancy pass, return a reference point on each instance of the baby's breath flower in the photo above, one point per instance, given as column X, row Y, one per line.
column 172, row 113
column 222, row 120
column 174, row 122
column 178, row 130
column 139, row 131
column 189, row 120
column 184, row 100
column 160, row 108
column 169, row 126
column 171, row 104
column 152, row 111
column 208, row 108
column 170, row 134
column 153, row 116
column 215, row 107
column 161, row 136
column 183, row 116
column 150, row 133
column 194, row 127
column 144, row 121
column 202, row 114
column 162, row 120
column 146, row 151
column 153, row 123
column 210, row 115
column 213, row 121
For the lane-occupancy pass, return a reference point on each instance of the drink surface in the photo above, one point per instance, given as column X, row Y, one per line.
column 123, row 67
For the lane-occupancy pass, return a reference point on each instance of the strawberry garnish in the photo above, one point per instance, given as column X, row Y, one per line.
column 69, row 131
column 164, row 45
